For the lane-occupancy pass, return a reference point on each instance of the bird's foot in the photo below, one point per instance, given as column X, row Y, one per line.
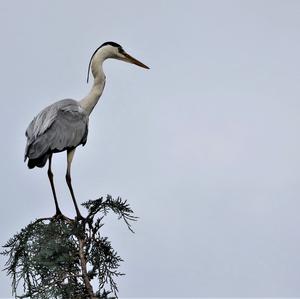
column 60, row 216
column 79, row 217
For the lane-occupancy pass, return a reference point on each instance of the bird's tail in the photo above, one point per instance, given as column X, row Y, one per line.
column 38, row 162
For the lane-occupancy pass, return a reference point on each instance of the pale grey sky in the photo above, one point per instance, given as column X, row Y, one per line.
column 205, row 145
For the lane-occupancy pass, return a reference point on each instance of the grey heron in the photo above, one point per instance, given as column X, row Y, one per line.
column 63, row 125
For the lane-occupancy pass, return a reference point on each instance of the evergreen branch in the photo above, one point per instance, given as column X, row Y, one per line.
column 58, row 257
column 119, row 207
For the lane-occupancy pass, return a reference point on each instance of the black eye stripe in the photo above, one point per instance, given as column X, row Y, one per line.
column 121, row 50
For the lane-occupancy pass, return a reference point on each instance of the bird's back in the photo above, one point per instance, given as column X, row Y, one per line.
column 60, row 126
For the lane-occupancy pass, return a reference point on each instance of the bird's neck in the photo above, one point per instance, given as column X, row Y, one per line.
column 89, row 102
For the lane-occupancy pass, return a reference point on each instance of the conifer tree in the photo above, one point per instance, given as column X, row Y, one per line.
column 59, row 257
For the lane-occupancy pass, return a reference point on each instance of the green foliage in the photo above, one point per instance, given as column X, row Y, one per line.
column 58, row 257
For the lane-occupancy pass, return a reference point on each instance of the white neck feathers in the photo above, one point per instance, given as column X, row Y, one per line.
column 89, row 102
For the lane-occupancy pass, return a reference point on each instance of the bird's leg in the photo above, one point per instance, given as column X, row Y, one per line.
column 50, row 176
column 70, row 155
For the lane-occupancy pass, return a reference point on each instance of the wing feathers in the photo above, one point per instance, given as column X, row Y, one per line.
column 58, row 127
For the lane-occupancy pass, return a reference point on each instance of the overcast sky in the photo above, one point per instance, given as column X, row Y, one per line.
column 205, row 145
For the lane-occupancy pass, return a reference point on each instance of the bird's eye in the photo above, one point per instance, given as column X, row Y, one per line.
column 120, row 49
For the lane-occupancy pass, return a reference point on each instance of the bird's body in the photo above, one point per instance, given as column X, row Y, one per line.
column 60, row 126
column 64, row 124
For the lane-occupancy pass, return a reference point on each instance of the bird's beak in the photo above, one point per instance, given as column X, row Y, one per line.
column 132, row 60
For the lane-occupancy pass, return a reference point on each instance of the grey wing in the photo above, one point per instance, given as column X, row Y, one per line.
column 63, row 125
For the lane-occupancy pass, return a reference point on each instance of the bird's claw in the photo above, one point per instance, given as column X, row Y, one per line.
column 60, row 216
column 79, row 217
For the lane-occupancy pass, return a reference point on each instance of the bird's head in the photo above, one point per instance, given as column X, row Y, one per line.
column 115, row 51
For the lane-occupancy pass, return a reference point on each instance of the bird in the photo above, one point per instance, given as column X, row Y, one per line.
column 63, row 125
